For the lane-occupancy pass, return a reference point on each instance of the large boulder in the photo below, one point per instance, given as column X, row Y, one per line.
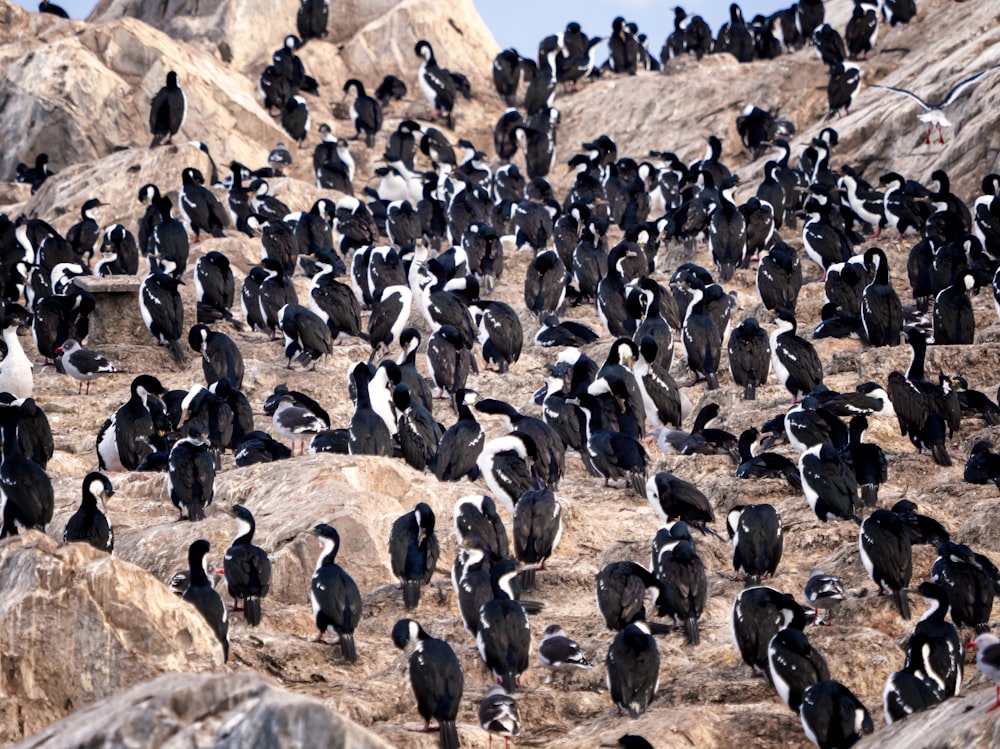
column 77, row 625
column 80, row 97
column 227, row 711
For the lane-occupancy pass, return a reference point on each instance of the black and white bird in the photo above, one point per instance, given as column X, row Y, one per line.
column 758, row 541
column 758, row 614
column 120, row 445
column 537, row 530
column 498, row 714
column 163, row 311
column 794, row 665
column 505, row 463
column 881, row 310
column 293, row 421
column 83, row 365
column 203, row 597
column 674, row 498
column 927, row 412
column 504, row 634
column 462, row 443
column 365, row 112
column 988, row 660
column 749, row 357
column 828, row 483
column 683, row 583
column 702, row 340
column 832, row 717
column 871, row 469
column 971, row 581
column 559, row 653
column 906, row 693
column 727, row 232
column 476, row 517
column 167, row 112
column 953, row 319
column 200, row 208
column 390, row 314
column 824, row 593
column 295, row 119
column 633, row 669
column 336, row 600
column 88, row 523
column 307, row 337
column 612, row 455
column 794, row 359
column 933, row 114
column 934, row 650
column 436, row 83
column 247, row 567
column 215, row 288
column 622, row 588
column 413, row 551
column 15, row 369
column 887, row 555
column 435, row 676
column 419, row 434
column 220, row 356
column 312, row 18
column 191, row 474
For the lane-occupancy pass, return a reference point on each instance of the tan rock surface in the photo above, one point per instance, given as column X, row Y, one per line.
column 706, row 699
column 232, row 711
column 77, row 625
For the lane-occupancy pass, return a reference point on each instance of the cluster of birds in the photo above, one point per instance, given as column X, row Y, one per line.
column 436, row 241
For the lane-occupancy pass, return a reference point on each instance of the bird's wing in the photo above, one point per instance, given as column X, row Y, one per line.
column 959, row 87
column 912, row 95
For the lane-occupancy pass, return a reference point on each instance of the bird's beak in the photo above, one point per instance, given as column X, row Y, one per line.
column 971, row 644
column 59, row 350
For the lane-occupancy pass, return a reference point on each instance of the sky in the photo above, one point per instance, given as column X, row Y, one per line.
column 523, row 23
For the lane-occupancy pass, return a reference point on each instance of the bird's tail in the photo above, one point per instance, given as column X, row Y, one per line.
column 751, row 581
column 411, row 594
column 691, row 630
column 713, row 381
column 899, row 598
column 750, row 391
column 940, row 454
column 659, row 628
column 869, row 495
column 370, row 140
column 177, row 351
column 638, row 481
column 527, row 579
column 448, row 737
column 157, row 139
column 347, row 648
column 251, row 609
column 196, row 511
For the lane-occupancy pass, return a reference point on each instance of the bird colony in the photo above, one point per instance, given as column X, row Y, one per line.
column 777, row 360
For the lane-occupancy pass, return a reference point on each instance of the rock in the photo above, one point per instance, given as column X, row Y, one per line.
column 77, row 625
column 78, row 98
column 959, row 723
column 227, row 711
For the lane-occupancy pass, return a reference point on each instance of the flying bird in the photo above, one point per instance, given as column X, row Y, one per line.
column 934, row 111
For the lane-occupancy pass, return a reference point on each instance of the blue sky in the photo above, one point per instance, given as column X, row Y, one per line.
column 522, row 23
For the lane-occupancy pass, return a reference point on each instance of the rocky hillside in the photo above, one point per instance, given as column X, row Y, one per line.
column 95, row 642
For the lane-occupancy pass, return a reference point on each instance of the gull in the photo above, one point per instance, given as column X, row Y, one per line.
column 934, row 112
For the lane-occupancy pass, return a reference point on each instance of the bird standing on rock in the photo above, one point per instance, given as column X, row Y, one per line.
column 336, row 600
column 413, row 552
column 436, row 678
column 191, row 474
column 167, row 112
column 247, row 567
column 88, row 523
column 203, row 597
column 988, row 660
